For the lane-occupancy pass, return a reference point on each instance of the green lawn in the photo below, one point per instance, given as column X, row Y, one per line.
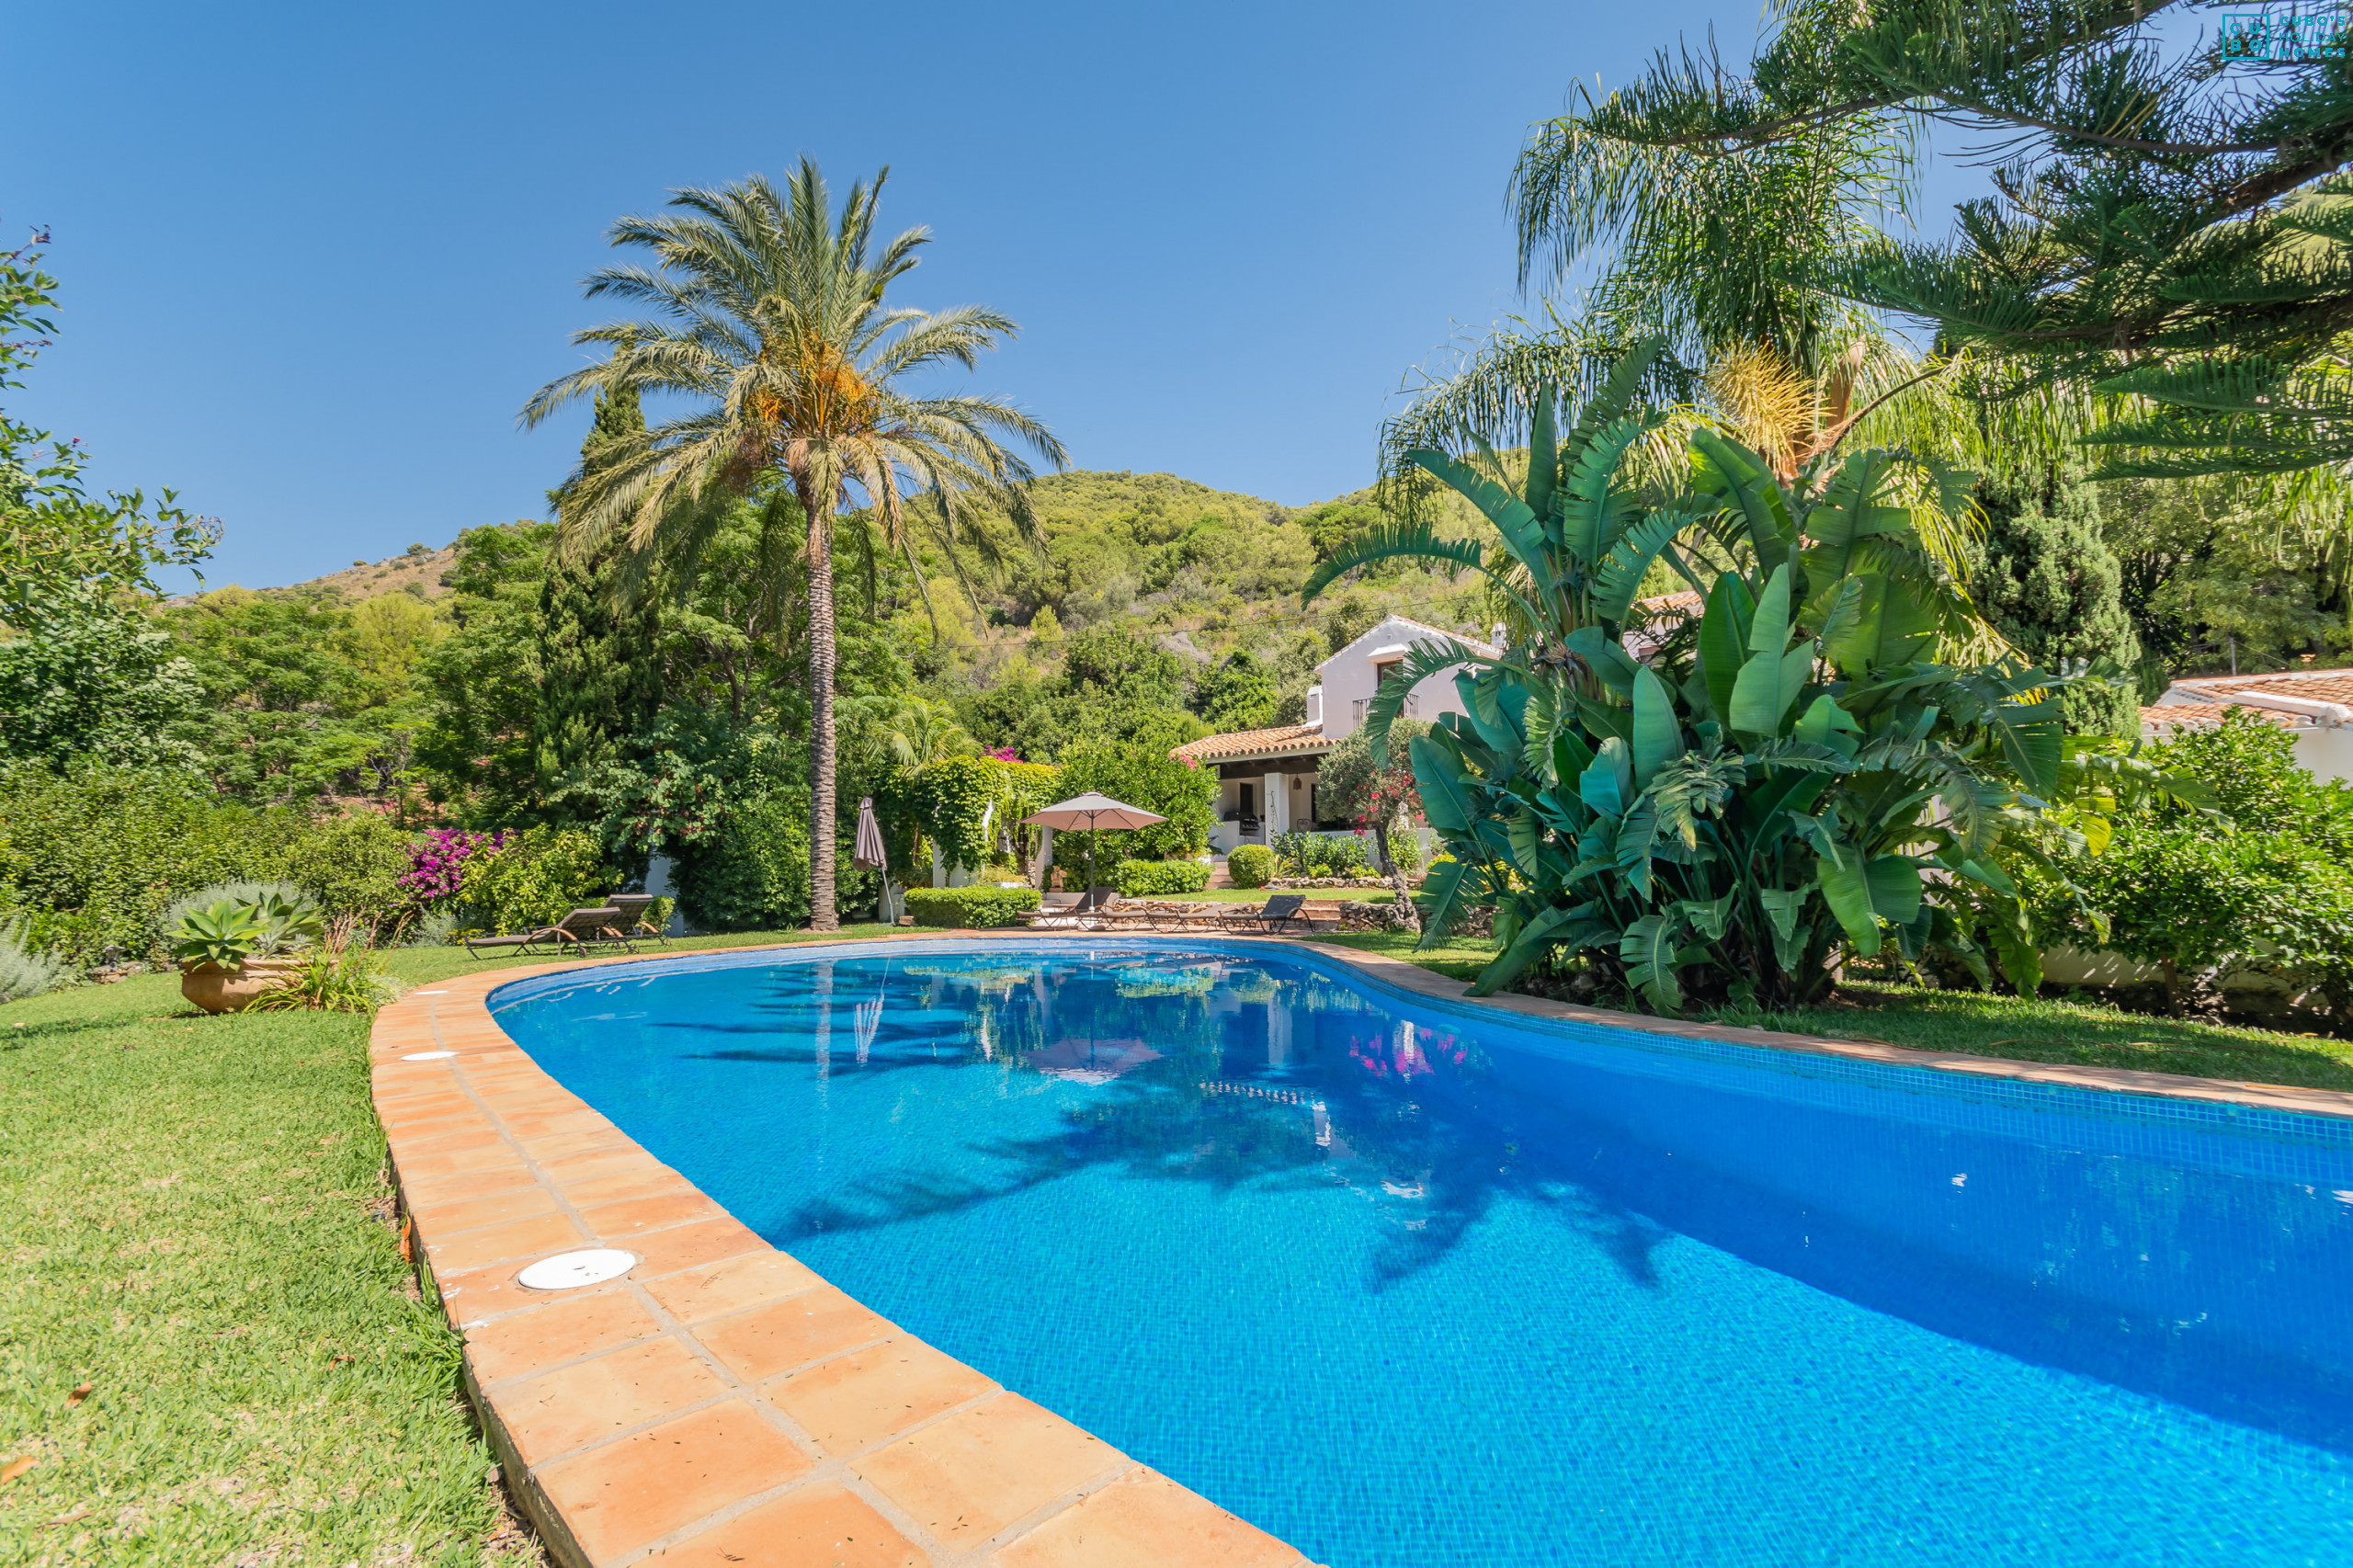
column 192, row 1212
column 193, row 1215
column 2018, row 1028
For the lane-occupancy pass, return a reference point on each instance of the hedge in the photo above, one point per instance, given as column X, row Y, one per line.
column 1304, row 854
column 752, row 873
column 1157, row 879
column 971, row 908
column 1251, row 866
column 92, row 857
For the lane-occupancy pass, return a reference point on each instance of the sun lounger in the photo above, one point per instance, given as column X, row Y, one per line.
column 1281, row 910
column 1085, row 912
column 576, row 932
column 633, row 921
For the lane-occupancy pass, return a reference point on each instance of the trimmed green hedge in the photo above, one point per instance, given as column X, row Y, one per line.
column 1157, row 879
column 1251, row 866
column 971, row 908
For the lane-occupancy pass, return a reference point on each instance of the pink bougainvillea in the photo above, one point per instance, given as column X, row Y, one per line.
column 1002, row 753
column 438, row 865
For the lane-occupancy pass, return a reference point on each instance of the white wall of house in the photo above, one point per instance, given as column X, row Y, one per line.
column 2324, row 750
column 2326, row 753
column 1350, row 676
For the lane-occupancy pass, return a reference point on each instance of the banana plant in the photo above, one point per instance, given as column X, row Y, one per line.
column 1794, row 777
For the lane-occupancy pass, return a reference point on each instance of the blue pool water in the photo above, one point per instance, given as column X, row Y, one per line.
column 1408, row 1283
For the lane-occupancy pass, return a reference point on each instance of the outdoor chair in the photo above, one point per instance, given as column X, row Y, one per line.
column 1092, row 904
column 576, row 932
column 1279, row 911
column 633, row 921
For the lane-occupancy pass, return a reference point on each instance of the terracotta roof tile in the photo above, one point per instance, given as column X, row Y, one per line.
column 1282, row 738
column 2206, row 715
column 2320, row 685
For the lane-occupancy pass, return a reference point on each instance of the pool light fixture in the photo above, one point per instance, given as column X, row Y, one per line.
column 571, row 1270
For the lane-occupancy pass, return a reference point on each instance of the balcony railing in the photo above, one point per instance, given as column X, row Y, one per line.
column 1361, row 705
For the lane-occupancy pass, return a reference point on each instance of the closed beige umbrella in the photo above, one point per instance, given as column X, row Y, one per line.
column 869, row 853
column 1091, row 813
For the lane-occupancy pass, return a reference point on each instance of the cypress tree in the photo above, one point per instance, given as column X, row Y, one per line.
column 2049, row 583
column 600, row 675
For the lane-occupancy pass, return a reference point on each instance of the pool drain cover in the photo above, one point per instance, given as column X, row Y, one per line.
column 570, row 1270
column 430, row 1056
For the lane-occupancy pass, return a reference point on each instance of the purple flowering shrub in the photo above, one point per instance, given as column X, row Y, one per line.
column 438, row 865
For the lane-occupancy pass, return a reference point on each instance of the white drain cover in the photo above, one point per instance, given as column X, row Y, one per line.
column 569, row 1270
column 430, row 1056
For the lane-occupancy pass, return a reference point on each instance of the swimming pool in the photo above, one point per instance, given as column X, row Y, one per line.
column 1410, row 1283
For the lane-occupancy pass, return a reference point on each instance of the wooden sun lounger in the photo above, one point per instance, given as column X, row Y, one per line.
column 1279, row 911
column 580, row 929
column 1092, row 906
column 633, row 921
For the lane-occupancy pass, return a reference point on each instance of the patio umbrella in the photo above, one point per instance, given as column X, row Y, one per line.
column 1090, row 813
column 869, row 852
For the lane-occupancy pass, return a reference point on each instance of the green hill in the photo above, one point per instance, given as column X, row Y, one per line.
column 1206, row 571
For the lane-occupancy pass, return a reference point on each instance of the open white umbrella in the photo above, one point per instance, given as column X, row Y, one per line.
column 1091, row 813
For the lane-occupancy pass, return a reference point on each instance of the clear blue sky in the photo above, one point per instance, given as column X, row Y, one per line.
column 315, row 257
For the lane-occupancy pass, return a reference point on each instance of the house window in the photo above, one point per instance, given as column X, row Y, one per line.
column 1383, row 670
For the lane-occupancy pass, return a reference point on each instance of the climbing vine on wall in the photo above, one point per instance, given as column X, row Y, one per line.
column 950, row 802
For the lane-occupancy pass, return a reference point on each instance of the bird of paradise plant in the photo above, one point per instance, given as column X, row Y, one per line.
column 1793, row 777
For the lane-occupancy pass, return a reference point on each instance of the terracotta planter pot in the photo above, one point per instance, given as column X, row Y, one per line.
column 218, row 989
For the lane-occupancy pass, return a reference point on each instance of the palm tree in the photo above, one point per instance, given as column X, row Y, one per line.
column 770, row 321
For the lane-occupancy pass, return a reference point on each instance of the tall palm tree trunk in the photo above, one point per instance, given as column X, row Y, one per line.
column 821, row 658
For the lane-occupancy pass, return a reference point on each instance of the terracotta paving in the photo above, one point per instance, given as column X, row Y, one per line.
column 722, row 1404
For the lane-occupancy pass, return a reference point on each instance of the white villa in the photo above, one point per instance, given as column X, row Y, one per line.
column 2313, row 706
column 1266, row 777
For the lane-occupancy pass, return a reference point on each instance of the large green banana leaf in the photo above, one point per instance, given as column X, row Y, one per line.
column 1774, row 674
column 1558, row 925
column 1658, row 736
column 1863, row 891
column 1724, row 638
column 1651, row 950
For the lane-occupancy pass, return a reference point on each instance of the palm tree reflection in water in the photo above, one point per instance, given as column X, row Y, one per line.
column 1198, row 1070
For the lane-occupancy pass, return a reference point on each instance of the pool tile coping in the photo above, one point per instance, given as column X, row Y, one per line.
column 722, row 1402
